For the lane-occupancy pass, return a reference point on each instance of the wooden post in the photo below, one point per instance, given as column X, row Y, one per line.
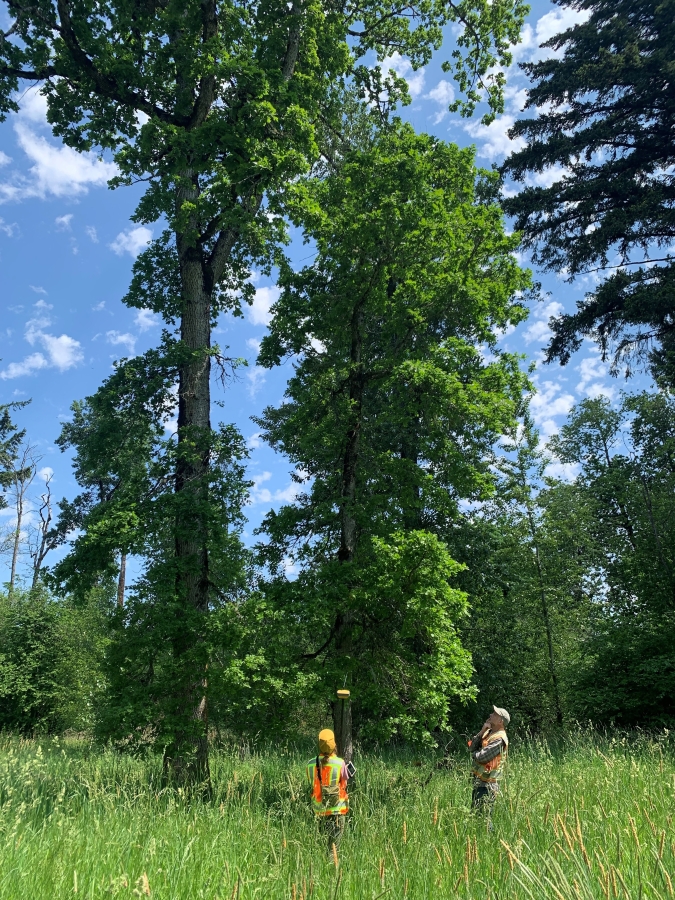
column 343, row 726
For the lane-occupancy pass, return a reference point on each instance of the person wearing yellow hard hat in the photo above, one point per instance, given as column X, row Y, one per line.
column 327, row 777
column 488, row 752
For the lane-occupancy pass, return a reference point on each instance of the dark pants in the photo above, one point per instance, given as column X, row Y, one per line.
column 483, row 798
column 332, row 827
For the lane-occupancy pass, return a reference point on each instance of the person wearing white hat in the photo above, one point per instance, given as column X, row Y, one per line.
column 488, row 751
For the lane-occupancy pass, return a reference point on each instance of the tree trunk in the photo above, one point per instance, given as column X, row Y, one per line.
column 342, row 726
column 351, row 451
column 121, row 581
column 19, row 487
column 186, row 758
column 45, row 521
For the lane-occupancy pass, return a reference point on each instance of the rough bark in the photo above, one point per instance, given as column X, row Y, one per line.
column 121, row 581
column 342, row 727
column 186, row 758
column 348, row 525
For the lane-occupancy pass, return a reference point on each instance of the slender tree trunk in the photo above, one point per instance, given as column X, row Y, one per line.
column 19, row 487
column 43, row 547
column 348, row 525
column 186, row 759
column 546, row 617
column 121, row 581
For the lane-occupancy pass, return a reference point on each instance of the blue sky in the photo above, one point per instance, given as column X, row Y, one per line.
column 66, row 250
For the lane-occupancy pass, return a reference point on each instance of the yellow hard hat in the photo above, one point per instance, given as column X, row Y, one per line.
column 326, row 741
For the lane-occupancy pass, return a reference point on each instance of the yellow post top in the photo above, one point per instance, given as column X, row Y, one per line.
column 343, row 694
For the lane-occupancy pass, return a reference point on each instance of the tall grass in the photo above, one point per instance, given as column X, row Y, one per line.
column 589, row 818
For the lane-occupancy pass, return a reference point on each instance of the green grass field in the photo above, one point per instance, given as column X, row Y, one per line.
column 586, row 819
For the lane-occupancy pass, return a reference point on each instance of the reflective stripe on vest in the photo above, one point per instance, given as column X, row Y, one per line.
column 491, row 771
column 329, row 795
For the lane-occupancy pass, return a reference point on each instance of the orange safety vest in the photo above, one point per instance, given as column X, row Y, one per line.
column 329, row 789
column 490, row 772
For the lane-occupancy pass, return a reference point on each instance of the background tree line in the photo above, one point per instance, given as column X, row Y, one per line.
column 432, row 555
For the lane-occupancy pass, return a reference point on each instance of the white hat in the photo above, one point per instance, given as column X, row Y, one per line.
column 503, row 713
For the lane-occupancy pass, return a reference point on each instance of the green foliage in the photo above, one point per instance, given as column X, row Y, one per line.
column 10, row 443
column 627, row 480
column 50, row 661
column 125, row 461
column 605, row 113
column 389, row 418
column 100, row 822
column 214, row 106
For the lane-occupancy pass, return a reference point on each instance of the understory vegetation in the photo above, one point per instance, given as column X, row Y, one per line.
column 586, row 817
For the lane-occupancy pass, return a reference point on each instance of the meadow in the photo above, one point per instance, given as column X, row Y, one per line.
column 588, row 817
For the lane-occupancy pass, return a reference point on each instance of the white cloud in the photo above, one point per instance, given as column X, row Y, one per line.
column 288, row 494
column 593, row 371
column 30, row 364
column 559, row 20
column 62, row 352
column 563, row 471
column 547, row 403
column 133, row 241
column 290, row 567
column 253, row 344
column 42, row 304
column 117, row 339
column 539, row 331
column 4, row 159
column 546, row 178
column 259, row 311
column 45, row 473
column 63, row 222
column 57, row 171
column 258, row 493
column 443, row 94
column 254, row 441
column 403, row 68
column 493, row 140
column 99, row 306
column 261, row 494
column 146, row 319
column 10, row 229
column 34, row 107
column 550, row 24
column 515, row 97
column 256, row 378
column 37, row 289
column 91, row 233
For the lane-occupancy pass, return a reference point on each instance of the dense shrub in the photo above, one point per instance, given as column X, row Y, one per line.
column 50, row 656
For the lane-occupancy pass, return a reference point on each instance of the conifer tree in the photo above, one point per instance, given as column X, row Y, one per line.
column 604, row 130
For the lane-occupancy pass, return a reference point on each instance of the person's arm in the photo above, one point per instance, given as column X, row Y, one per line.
column 494, row 748
column 477, row 738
